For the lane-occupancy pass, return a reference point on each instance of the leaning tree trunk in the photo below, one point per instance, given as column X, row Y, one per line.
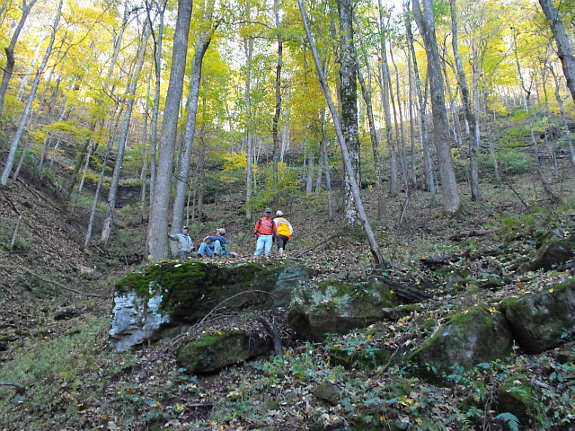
column 31, row 97
column 342, row 143
column 562, row 40
column 9, row 66
column 442, row 139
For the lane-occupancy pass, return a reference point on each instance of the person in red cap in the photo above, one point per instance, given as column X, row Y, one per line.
column 265, row 230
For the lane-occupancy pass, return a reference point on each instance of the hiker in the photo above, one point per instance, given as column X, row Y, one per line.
column 214, row 245
column 284, row 231
column 265, row 230
column 185, row 243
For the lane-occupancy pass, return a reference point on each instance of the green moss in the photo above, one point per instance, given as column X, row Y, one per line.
column 560, row 287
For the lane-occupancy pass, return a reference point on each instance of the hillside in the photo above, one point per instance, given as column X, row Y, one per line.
column 56, row 299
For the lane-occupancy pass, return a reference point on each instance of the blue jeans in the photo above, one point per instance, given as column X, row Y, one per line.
column 182, row 255
column 264, row 241
column 211, row 249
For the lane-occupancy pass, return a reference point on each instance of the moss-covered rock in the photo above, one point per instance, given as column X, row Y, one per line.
column 214, row 351
column 337, row 307
column 183, row 293
column 516, row 396
column 540, row 321
column 476, row 335
column 554, row 250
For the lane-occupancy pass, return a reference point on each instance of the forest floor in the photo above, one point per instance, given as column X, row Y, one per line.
column 50, row 284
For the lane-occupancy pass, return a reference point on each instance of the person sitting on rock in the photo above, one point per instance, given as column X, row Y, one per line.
column 214, row 245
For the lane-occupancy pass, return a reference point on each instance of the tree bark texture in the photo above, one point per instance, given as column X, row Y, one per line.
column 348, row 94
column 562, row 40
column 160, row 202
column 442, row 139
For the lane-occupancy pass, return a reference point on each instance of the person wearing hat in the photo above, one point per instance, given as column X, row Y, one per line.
column 265, row 230
column 214, row 245
column 185, row 243
column 285, row 231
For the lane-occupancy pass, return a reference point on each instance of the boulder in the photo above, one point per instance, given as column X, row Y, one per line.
column 541, row 321
column 555, row 249
column 217, row 350
column 182, row 293
column 477, row 335
column 337, row 308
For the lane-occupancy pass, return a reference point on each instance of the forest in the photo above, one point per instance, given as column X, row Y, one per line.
column 397, row 136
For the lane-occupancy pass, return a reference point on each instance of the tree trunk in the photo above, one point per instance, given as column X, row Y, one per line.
column 421, row 90
column 123, row 139
column 9, row 66
column 424, row 20
column 278, row 94
column 158, row 40
column 203, row 39
column 563, row 46
column 31, row 97
column 248, row 49
column 159, row 205
column 469, row 116
column 342, row 143
column 366, row 93
column 349, row 115
column 384, row 84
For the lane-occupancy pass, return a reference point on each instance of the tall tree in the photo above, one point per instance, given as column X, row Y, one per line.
column 31, row 97
column 425, row 22
column 563, row 45
column 10, row 61
column 203, row 39
column 348, row 109
column 159, row 206
column 342, row 143
column 123, row 138
column 469, row 115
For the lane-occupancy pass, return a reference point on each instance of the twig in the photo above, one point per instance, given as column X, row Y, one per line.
column 15, row 235
column 318, row 244
column 65, row 287
column 517, row 194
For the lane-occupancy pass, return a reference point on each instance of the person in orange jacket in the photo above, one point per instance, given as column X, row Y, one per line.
column 265, row 230
column 285, row 231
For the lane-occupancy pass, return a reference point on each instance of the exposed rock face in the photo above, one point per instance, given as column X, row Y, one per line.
column 336, row 307
column 182, row 293
column 136, row 319
column 539, row 322
column 477, row 335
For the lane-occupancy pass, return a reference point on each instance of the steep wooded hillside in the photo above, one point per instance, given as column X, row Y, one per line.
column 55, row 301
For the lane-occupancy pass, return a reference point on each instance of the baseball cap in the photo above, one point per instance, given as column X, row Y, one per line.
column 221, row 230
column 268, row 210
column 279, row 213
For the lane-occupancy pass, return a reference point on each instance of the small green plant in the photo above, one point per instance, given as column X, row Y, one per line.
column 510, row 420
